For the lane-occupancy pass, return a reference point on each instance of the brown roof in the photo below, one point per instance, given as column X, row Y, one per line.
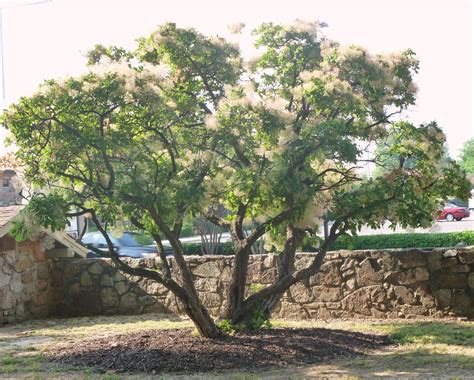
column 7, row 213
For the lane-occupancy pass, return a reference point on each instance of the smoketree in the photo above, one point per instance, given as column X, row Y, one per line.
column 184, row 125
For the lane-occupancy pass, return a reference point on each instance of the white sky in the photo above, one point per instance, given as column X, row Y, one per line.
column 49, row 40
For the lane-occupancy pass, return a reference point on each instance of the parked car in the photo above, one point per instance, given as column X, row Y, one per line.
column 129, row 244
column 452, row 212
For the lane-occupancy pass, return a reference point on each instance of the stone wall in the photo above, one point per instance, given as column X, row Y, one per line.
column 25, row 281
column 360, row 284
column 94, row 287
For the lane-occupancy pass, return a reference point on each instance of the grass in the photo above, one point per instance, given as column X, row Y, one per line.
column 424, row 348
column 102, row 325
column 13, row 361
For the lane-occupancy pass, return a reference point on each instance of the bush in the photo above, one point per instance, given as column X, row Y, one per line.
column 195, row 248
column 409, row 240
column 383, row 241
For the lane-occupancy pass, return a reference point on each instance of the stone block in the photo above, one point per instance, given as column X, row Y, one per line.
column 7, row 243
column 303, row 261
column 368, row 273
column 86, row 279
column 146, row 301
column 348, row 263
column 409, row 277
column 152, row 287
column 449, row 262
column 378, row 294
column 434, row 260
column 328, row 275
column 41, row 298
column 109, row 298
column 206, row 284
column 95, row 269
column 412, row 259
column 29, row 290
column 460, row 268
column 300, row 293
column 351, row 283
column 43, row 271
column 254, row 272
column 129, row 301
column 450, row 280
column 421, row 274
column 41, row 284
column 390, row 263
column 461, row 301
column 88, row 303
column 269, row 261
column 4, row 279
column 293, row 311
column 470, row 280
column 414, row 311
column 27, row 277
column 226, row 274
column 106, row 281
column 23, row 263
column 467, row 256
column 268, row 276
column 424, row 296
column 324, row 294
column 72, row 269
column 26, row 246
column 450, row 253
column 209, row 270
column 404, row 295
column 348, row 273
column 358, row 302
column 443, row 297
column 7, row 300
column 210, row 299
column 16, row 285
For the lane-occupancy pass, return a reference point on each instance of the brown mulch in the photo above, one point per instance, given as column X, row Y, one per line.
column 179, row 350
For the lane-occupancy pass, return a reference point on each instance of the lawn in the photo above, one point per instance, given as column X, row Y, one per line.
column 442, row 349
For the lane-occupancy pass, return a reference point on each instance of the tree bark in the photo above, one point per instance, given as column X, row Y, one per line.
column 186, row 292
column 265, row 300
column 285, row 266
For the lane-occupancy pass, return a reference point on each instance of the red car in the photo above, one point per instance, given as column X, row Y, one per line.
column 451, row 212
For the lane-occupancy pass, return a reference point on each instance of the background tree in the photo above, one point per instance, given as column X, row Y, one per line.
column 466, row 159
column 183, row 126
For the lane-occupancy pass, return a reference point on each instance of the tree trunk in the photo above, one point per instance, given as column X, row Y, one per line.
column 285, row 267
column 265, row 300
column 236, row 290
column 203, row 321
column 185, row 292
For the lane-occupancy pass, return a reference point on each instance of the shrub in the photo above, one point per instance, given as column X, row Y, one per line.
column 195, row 248
column 406, row 240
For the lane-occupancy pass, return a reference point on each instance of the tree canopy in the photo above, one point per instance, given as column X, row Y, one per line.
column 185, row 125
column 467, row 157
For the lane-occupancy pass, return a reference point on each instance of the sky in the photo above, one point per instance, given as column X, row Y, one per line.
column 49, row 40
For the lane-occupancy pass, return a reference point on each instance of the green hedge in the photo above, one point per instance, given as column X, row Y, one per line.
column 384, row 241
column 408, row 240
column 195, row 248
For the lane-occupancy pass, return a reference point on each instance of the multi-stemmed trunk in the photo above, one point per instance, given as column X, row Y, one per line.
column 243, row 310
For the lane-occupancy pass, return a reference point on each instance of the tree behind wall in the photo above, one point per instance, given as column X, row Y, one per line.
column 183, row 126
column 467, row 158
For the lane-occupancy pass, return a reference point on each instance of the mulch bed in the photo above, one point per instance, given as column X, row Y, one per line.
column 179, row 350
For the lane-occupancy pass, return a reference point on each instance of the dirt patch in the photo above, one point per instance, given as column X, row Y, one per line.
column 178, row 350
